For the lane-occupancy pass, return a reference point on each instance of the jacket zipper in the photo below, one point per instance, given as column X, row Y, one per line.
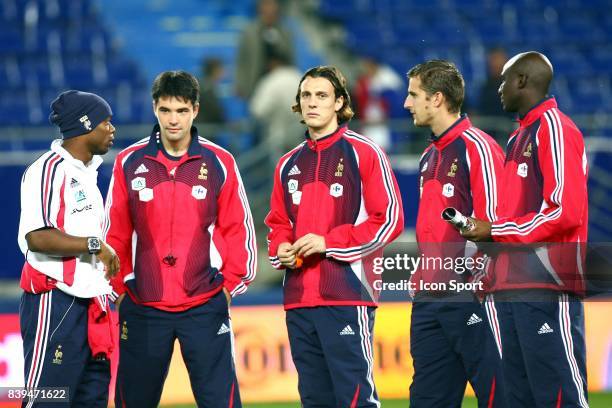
column 170, row 259
column 311, row 277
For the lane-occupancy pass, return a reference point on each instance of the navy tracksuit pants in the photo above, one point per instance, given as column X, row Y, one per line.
column 544, row 355
column 56, row 350
column 146, row 344
column 331, row 347
column 451, row 343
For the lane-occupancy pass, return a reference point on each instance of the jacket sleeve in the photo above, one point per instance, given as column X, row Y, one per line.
column 562, row 161
column 42, row 195
column 486, row 163
column 235, row 225
column 277, row 219
column 383, row 206
column 118, row 227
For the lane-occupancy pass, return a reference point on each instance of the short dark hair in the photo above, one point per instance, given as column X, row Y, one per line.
column 333, row 75
column 180, row 84
column 444, row 77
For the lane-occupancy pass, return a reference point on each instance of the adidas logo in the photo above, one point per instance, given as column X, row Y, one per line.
column 347, row 331
column 141, row 169
column 294, row 170
column 473, row 319
column 74, row 182
column 545, row 329
column 223, row 329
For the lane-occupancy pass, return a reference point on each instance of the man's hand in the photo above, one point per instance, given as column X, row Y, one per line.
column 480, row 233
column 119, row 300
column 110, row 260
column 286, row 255
column 309, row 244
column 228, row 297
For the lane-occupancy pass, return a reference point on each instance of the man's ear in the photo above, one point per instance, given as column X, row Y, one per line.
column 339, row 103
column 522, row 81
column 438, row 99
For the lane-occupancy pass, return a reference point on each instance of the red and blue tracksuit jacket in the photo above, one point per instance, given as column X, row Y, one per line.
column 341, row 187
column 182, row 232
column 459, row 169
column 544, row 191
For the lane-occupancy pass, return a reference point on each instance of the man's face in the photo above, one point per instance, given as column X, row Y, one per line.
column 419, row 103
column 508, row 89
column 319, row 104
column 100, row 139
column 175, row 117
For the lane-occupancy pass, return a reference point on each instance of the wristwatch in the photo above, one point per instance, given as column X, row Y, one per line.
column 94, row 245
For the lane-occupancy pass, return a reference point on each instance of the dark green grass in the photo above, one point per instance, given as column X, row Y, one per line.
column 596, row 400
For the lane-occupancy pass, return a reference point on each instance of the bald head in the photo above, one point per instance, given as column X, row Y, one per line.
column 534, row 67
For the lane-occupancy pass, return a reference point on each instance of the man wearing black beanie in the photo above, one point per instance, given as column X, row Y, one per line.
column 65, row 320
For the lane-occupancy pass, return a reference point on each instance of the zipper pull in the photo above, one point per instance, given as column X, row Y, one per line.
column 169, row 260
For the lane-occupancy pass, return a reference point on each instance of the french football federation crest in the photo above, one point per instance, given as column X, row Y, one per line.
column 124, row 331
column 339, row 168
column 527, row 152
column 58, row 355
column 203, row 172
column 453, row 169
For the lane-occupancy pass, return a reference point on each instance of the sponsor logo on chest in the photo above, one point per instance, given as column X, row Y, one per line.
column 522, row 170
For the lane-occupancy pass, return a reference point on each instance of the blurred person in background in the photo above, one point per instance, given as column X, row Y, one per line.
column 257, row 42
column 65, row 320
column 451, row 332
column 538, row 283
column 335, row 204
column 271, row 106
column 488, row 101
column 211, row 111
column 377, row 93
column 179, row 218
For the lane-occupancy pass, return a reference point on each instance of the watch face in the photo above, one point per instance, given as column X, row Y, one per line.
column 93, row 245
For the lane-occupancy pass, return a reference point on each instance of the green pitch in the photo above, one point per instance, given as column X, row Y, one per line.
column 596, row 400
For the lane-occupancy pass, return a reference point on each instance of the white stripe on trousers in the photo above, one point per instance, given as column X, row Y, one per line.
column 366, row 348
column 568, row 345
column 40, row 342
column 493, row 322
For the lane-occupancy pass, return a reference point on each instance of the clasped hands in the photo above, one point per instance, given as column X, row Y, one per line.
column 290, row 255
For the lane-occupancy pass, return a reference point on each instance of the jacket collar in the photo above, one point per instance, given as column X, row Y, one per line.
column 537, row 110
column 450, row 134
column 96, row 161
column 325, row 141
column 155, row 144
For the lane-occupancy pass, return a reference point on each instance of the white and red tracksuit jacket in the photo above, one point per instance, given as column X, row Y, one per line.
column 341, row 187
column 182, row 229
column 459, row 169
column 543, row 200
